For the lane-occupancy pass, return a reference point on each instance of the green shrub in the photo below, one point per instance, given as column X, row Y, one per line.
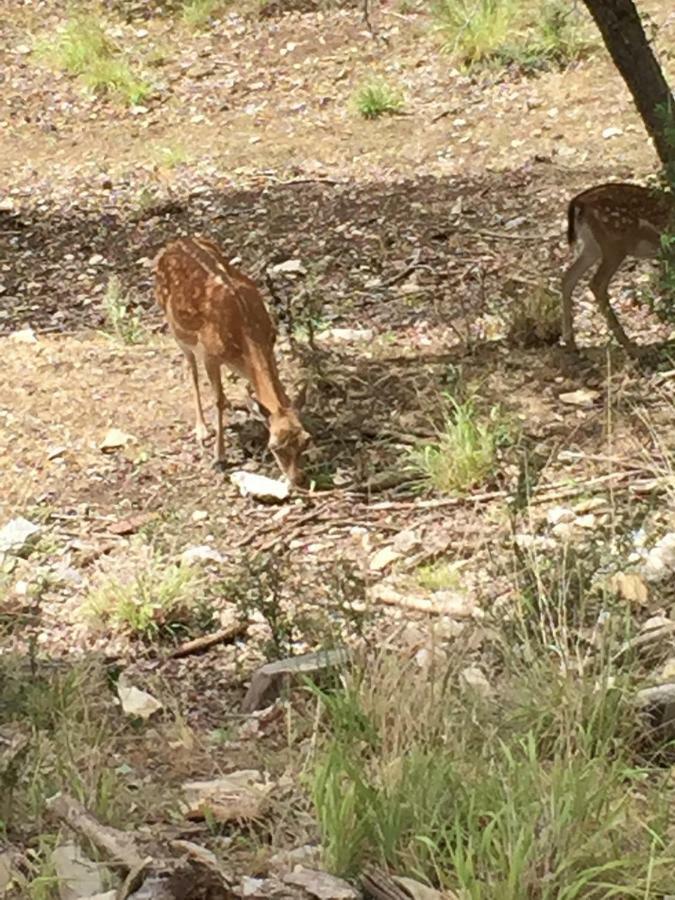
column 465, row 452
column 375, row 98
column 534, row 35
column 84, row 49
column 197, row 13
column 120, row 321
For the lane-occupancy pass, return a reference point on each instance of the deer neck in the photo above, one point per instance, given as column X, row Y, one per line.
column 268, row 388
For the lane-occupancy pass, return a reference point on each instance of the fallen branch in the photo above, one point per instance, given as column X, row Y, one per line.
column 194, row 876
column 646, row 640
column 268, row 681
column 118, row 846
column 206, row 641
column 377, row 884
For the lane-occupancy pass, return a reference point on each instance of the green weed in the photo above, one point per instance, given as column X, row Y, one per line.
column 148, row 597
column 534, row 35
column 535, row 319
column 465, row 452
column 439, row 576
column 120, row 321
column 375, row 98
column 171, row 155
column 84, row 49
column 531, row 792
column 197, row 13
column 474, row 30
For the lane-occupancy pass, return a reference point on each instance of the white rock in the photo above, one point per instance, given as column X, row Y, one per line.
column 114, row 439
column 259, row 485
column 23, row 336
column 321, row 884
column 558, row 514
column 351, row 334
column 201, row 553
column 660, row 561
column 586, row 521
column 474, row 678
column 289, row 267
column 17, row 534
column 611, row 132
column 137, row 703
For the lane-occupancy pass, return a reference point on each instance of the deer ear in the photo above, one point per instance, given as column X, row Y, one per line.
column 301, row 397
column 259, row 411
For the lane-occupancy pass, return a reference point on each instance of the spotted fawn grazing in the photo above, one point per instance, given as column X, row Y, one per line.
column 612, row 222
column 217, row 315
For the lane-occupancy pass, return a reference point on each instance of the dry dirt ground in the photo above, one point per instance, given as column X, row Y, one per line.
column 421, row 233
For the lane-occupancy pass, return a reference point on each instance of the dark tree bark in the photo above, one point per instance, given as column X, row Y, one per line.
column 627, row 43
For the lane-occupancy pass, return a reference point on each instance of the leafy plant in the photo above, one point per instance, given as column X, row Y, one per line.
column 465, row 452
column 536, row 319
column 474, row 30
column 149, row 598
column 438, row 576
column 197, row 13
column 257, row 589
column 120, row 321
column 533, row 35
column 84, row 49
column 171, row 155
column 375, row 98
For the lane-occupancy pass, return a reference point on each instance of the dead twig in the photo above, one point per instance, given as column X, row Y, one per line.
column 206, row 641
column 399, row 276
column 265, row 528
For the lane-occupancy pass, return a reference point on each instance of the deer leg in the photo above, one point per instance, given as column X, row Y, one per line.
column 599, row 285
column 213, row 371
column 201, row 431
column 588, row 256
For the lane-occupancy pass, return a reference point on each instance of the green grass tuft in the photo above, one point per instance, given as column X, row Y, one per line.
column 120, row 321
column 375, row 98
column 197, row 13
column 148, row 598
column 465, row 453
column 83, row 49
column 531, row 35
column 532, row 791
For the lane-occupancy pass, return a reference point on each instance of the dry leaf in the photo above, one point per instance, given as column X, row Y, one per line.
column 321, row 884
column 137, row 703
column 77, row 875
column 239, row 795
column 419, row 891
column 631, row 586
column 582, row 397
column 114, row 439
column 384, row 557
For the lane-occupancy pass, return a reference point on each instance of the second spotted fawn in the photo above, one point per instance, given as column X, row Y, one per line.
column 611, row 222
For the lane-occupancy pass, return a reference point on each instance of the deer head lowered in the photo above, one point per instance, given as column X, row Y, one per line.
column 217, row 314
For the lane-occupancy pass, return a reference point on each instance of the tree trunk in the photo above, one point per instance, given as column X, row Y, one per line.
column 625, row 39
